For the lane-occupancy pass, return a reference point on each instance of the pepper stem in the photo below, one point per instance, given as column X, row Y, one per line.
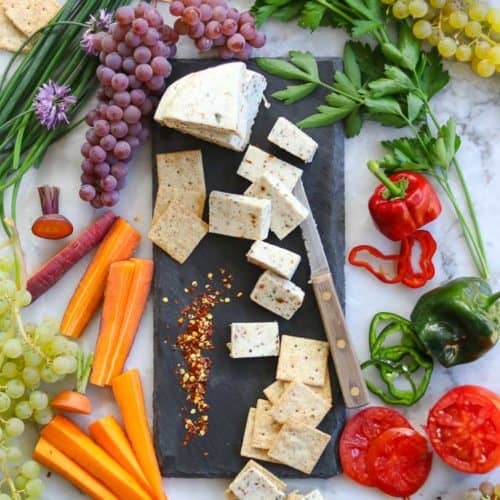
column 394, row 190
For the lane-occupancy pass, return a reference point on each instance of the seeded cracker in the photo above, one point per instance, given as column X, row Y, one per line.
column 299, row 446
column 178, row 232
column 181, row 170
column 295, row 495
column 265, row 428
column 302, row 360
column 270, row 487
column 192, row 200
column 274, row 391
column 10, row 37
column 314, row 495
column 247, row 450
column 30, row 15
column 301, row 404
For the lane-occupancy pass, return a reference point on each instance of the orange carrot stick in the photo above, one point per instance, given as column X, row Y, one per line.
column 137, row 300
column 73, row 442
column 72, row 402
column 119, row 244
column 116, row 303
column 108, row 433
column 127, row 389
column 49, row 456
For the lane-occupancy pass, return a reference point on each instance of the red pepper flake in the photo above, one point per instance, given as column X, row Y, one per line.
column 193, row 341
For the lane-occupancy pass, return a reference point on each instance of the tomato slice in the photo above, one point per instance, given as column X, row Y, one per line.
column 399, row 461
column 359, row 433
column 464, row 429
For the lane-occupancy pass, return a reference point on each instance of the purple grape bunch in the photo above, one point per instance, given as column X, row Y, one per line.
column 134, row 55
column 214, row 24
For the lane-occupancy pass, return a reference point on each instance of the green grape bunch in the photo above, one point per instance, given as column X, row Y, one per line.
column 31, row 357
column 486, row 491
column 466, row 30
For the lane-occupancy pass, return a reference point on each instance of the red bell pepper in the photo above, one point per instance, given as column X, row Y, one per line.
column 403, row 203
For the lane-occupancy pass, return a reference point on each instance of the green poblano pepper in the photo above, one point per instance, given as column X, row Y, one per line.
column 459, row 321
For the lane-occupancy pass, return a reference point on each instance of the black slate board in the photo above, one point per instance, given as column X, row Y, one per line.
column 235, row 385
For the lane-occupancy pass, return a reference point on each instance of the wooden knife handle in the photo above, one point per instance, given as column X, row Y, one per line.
column 351, row 380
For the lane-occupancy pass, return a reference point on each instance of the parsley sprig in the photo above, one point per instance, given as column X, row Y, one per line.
column 391, row 82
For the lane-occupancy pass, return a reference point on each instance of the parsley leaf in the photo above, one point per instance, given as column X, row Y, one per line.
column 294, row 93
column 312, row 15
column 433, row 77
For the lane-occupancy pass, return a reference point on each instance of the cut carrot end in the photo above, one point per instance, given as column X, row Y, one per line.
column 72, row 402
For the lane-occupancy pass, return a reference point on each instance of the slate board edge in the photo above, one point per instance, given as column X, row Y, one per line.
column 339, row 277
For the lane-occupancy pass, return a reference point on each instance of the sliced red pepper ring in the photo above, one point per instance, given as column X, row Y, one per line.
column 404, row 272
column 400, row 260
column 428, row 249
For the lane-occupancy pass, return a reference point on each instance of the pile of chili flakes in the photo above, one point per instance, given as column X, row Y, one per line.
column 193, row 342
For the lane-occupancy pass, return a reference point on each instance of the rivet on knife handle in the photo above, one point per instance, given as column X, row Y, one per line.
column 352, row 383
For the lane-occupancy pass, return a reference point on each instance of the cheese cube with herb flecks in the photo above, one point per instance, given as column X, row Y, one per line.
column 289, row 137
column 278, row 260
column 254, row 340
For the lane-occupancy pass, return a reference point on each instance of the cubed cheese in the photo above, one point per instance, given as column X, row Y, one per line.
column 254, row 340
column 278, row 295
column 287, row 212
column 239, row 216
column 289, row 137
column 280, row 261
column 257, row 162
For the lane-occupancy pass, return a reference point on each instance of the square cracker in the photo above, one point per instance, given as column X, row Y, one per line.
column 247, row 450
column 295, row 495
column 252, row 484
column 10, row 37
column 178, row 232
column 192, row 200
column 181, row 170
column 299, row 446
column 302, row 360
column 301, row 404
column 252, row 464
column 30, row 15
column 265, row 427
column 274, row 391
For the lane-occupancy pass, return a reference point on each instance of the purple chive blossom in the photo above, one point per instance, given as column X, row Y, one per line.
column 87, row 44
column 101, row 22
column 51, row 104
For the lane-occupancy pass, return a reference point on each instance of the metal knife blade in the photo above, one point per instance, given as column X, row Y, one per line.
column 312, row 240
column 346, row 363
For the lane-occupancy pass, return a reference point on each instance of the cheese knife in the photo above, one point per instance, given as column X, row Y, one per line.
column 346, row 363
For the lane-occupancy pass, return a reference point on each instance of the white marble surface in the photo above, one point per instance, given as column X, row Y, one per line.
column 476, row 105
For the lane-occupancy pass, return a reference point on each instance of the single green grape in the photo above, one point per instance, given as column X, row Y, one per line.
column 8, row 289
column 43, row 417
column 23, row 410
column 63, row 365
column 4, row 496
column 13, row 348
column 9, row 370
column 463, row 53
column 481, row 49
column 23, row 298
column 14, row 427
column 400, row 9
column 418, row 8
column 31, row 376
column 32, row 358
column 422, row 29
column 4, row 402
column 34, row 487
column 493, row 16
column 478, row 11
column 494, row 54
column 30, row 469
column 13, row 454
column 72, row 348
column 458, row 19
column 57, row 345
column 438, row 4
column 7, row 264
column 485, row 68
column 15, row 388
column 473, row 29
column 20, row 481
column 48, row 376
column 447, row 46
column 4, row 306
column 39, row 400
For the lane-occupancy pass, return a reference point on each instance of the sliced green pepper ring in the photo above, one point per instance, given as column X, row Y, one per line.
column 406, row 398
column 395, row 355
column 380, row 317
